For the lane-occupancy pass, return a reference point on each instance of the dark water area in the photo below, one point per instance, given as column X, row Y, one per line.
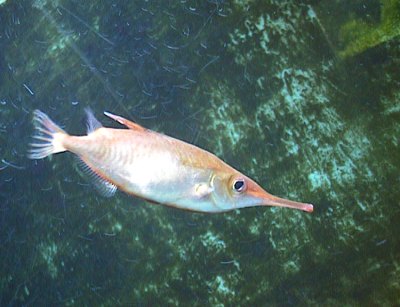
column 302, row 96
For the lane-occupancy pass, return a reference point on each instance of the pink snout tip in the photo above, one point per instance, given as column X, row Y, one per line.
column 308, row 208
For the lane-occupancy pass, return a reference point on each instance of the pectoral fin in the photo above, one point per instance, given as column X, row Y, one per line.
column 202, row 190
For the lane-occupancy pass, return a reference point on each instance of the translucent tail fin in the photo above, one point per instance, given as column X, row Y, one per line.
column 48, row 137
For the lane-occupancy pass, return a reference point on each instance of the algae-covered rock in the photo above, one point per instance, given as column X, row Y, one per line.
column 358, row 35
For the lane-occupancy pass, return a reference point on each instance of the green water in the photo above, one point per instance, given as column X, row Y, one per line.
column 302, row 96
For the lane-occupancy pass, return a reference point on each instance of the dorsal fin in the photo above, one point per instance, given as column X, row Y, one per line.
column 92, row 122
column 125, row 122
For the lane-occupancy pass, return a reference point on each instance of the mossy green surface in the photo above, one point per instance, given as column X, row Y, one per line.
column 357, row 35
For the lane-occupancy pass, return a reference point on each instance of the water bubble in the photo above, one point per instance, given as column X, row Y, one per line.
column 74, row 103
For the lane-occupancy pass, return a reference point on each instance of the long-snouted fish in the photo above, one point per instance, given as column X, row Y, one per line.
column 154, row 166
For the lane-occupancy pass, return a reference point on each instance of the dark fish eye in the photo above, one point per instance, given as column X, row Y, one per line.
column 239, row 185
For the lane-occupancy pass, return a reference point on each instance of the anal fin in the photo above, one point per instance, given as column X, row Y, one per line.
column 103, row 186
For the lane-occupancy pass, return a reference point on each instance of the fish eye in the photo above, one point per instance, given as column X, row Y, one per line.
column 239, row 185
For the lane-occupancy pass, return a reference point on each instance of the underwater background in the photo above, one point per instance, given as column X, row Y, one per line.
column 302, row 96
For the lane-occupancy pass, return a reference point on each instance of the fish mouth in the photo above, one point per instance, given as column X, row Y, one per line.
column 267, row 199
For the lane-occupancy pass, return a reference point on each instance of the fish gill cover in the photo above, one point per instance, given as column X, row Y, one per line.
column 270, row 86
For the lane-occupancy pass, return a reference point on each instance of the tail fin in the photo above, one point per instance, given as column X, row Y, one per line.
column 48, row 137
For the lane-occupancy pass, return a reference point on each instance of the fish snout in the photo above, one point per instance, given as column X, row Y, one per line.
column 266, row 199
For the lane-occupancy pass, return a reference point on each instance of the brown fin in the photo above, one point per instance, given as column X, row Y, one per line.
column 125, row 122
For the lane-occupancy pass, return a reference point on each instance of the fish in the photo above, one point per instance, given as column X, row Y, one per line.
column 153, row 166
